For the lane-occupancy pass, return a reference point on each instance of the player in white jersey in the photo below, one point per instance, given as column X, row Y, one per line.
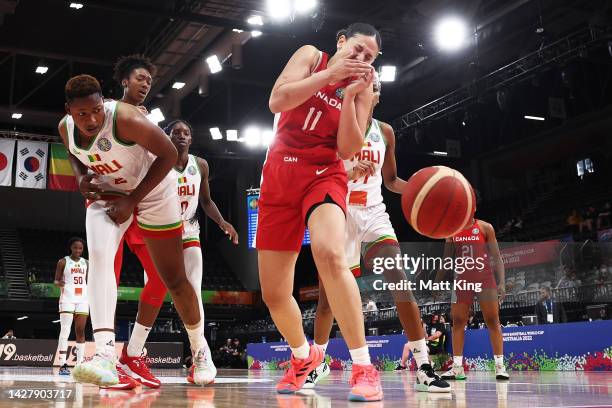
column 71, row 278
column 122, row 163
column 190, row 174
column 368, row 223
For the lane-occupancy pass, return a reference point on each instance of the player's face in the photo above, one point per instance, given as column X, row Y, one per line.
column 76, row 249
column 87, row 113
column 363, row 47
column 138, row 85
column 181, row 136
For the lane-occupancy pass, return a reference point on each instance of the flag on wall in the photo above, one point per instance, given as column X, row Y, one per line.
column 61, row 176
column 31, row 171
column 7, row 151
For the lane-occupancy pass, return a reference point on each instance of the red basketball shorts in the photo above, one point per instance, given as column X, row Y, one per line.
column 290, row 187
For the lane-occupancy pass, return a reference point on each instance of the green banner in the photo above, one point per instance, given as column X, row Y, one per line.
column 49, row 290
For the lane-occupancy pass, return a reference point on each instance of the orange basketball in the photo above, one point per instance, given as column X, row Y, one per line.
column 438, row 202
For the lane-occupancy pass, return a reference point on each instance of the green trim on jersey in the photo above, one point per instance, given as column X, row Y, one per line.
column 115, row 134
column 75, row 130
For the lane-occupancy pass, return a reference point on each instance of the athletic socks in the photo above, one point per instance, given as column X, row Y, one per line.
column 137, row 340
column 361, row 356
column 499, row 360
column 196, row 336
column 301, row 352
column 419, row 351
column 323, row 346
column 105, row 343
column 458, row 361
column 62, row 342
column 80, row 352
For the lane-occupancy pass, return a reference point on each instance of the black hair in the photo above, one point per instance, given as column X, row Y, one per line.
column 81, row 86
column 75, row 239
column 170, row 126
column 363, row 29
column 125, row 65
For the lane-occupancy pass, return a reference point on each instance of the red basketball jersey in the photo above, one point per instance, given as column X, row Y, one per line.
column 309, row 131
column 471, row 242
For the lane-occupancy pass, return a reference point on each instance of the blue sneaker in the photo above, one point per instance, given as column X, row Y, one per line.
column 64, row 370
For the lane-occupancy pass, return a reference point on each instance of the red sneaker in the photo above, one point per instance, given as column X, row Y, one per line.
column 298, row 371
column 125, row 381
column 366, row 384
column 137, row 368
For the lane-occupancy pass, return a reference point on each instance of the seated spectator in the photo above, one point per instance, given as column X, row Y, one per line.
column 436, row 336
column 574, row 221
column 10, row 335
column 569, row 280
column 604, row 216
column 471, row 323
column 588, row 219
column 549, row 311
column 371, row 307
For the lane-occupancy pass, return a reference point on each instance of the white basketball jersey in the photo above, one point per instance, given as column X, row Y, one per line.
column 189, row 181
column 121, row 166
column 366, row 191
column 75, row 281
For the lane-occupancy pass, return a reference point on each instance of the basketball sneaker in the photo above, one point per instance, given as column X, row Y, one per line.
column 126, row 382
column 64, row 370
column 203, row 370
column 317, row 375
column 298, row 371
column 455, row 373
column 366, row 384
column 501, row 373
column 137, row 368
column 428, row 381
column 100, row 370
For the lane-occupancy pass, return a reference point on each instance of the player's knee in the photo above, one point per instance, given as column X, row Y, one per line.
column 80, row 336
column 459, row 320
column 492, row 322
column 333, row 259
column 274, row 297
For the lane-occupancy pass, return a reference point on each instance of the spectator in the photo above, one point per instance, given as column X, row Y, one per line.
column 371, row 306
column 588, row 219
column 10, row 335
column 549, row 311
column 604, row 216
column 471, row 323
column 569, row 280
column 574, row 220
column 436, row 336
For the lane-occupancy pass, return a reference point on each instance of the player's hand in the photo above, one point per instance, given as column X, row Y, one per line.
column 119, row 210
column 361, row 84
column 230, row 231
column 143, row 109
column 501, row 293
column 89, row 190
column 363, row 168
column 59, row 283
column 347, row 68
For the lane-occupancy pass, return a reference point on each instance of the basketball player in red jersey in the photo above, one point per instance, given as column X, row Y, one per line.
column 321, row 105
column 477, row 241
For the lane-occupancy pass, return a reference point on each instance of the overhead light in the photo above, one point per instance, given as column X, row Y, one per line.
column 255, row 33
column 16, row 115
column 437, row 153
column 304, row 6
column 22, row 318
column 387, row 73
column 252, row 136
column 156, row 116
column 533, row 117
column 56, row 321
column 215, row 133
column 266, row 137
column 237, row 30
column 178, row 85
column 279, row 9
column 76, row 6
column 231, row 135
column 450, row 34
column 214, row 64
column 255, row 20
column 41, row 69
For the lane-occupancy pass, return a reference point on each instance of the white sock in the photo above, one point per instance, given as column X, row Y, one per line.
column 458, row 361
column 137, row 340
column 301, row 352
column 80, row 352
column 361, row 355
column 419, row 351
column 323, row 346
column 196, row 337
column 499, row 360
column 105, row 343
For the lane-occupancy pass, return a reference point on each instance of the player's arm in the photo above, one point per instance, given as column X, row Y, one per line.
column 354, row 115
column 493, row 247
column 87, row 189
column 389, row 168
column 87, row 273
column 59, row 273
column 295, row 84
column 209, row 206
column 134, row 127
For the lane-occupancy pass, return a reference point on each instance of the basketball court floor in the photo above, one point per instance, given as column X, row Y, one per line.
column 243, row 388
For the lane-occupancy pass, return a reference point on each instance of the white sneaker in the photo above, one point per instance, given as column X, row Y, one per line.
column 501, row 373
column 100, row 370
column 203, row 370
column 317, row 375
column 428, row 381
column 455, row 373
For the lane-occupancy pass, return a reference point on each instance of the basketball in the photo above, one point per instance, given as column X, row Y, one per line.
column 438, row 202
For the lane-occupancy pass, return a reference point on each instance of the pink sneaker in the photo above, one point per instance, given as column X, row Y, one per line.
column 298, row 371
column 366, row 384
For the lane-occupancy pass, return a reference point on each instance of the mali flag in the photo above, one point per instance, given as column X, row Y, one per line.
column 61, row 176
